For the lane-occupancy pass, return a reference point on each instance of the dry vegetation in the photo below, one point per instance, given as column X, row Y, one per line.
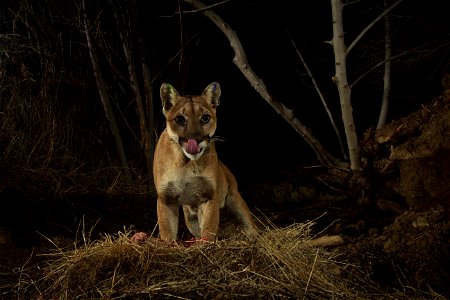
column 52, row 142
column 279, row 262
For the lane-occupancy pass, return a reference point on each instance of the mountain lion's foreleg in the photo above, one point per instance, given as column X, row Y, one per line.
column 208, row 218
column 168, row 220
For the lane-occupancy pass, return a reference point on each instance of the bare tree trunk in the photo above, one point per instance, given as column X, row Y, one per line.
column 150, row 146
column 240, row 60
column 104, row 97
column 145, row 137
column 340, row 78
column 387, row 72
column 148, row 94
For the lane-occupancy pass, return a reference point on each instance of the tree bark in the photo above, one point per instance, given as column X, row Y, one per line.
column 340, row 78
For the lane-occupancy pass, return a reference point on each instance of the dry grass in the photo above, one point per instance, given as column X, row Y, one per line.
column 277, row 263
column 47, row 138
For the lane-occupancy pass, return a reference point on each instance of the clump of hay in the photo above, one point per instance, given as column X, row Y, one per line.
column 277, row 262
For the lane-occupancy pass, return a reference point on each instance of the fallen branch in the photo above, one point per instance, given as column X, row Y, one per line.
column 327, row 240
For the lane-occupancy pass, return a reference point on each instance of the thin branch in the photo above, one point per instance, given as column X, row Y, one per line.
column 206, row 7
column 196, row 10
column 322, row 98
column 381, row 63
column 180, row 20
column 368, row 27
column 240, row 60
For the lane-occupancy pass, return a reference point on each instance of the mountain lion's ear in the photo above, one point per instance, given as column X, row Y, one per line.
column 212, row 93
column 168, row 96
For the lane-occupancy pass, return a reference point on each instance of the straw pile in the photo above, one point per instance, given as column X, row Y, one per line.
column 276, row 263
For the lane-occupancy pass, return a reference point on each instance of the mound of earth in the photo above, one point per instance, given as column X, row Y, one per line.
column 412, row 162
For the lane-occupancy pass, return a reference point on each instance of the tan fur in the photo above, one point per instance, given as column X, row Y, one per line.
column 197, row 181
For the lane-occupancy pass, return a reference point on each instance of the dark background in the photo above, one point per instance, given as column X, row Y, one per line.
column 257, row 138
column 190, row 52
column 60, row 173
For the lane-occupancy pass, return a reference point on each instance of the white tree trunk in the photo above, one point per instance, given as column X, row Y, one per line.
column 387, row 73
column 340, row 78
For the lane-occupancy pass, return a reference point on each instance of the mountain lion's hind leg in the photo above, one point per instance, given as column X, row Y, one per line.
column 240, row 209
column 236, row 204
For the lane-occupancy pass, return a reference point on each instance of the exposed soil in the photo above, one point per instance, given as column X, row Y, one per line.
column 397, row 227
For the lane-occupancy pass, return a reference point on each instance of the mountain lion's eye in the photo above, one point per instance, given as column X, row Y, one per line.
column 205, row 118
column 180, row 120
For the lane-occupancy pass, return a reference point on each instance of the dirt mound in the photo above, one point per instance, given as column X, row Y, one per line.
column 419, row 242
column 412, row 159
column 417, row 150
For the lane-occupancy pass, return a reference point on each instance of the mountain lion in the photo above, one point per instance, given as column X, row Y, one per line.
column 187, row 171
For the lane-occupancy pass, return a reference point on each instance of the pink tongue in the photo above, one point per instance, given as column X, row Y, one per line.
column 192, row 147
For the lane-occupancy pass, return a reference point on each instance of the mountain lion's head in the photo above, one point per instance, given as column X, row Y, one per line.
column 191, row 120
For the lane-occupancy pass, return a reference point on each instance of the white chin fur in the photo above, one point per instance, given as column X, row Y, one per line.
column 193, row 156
